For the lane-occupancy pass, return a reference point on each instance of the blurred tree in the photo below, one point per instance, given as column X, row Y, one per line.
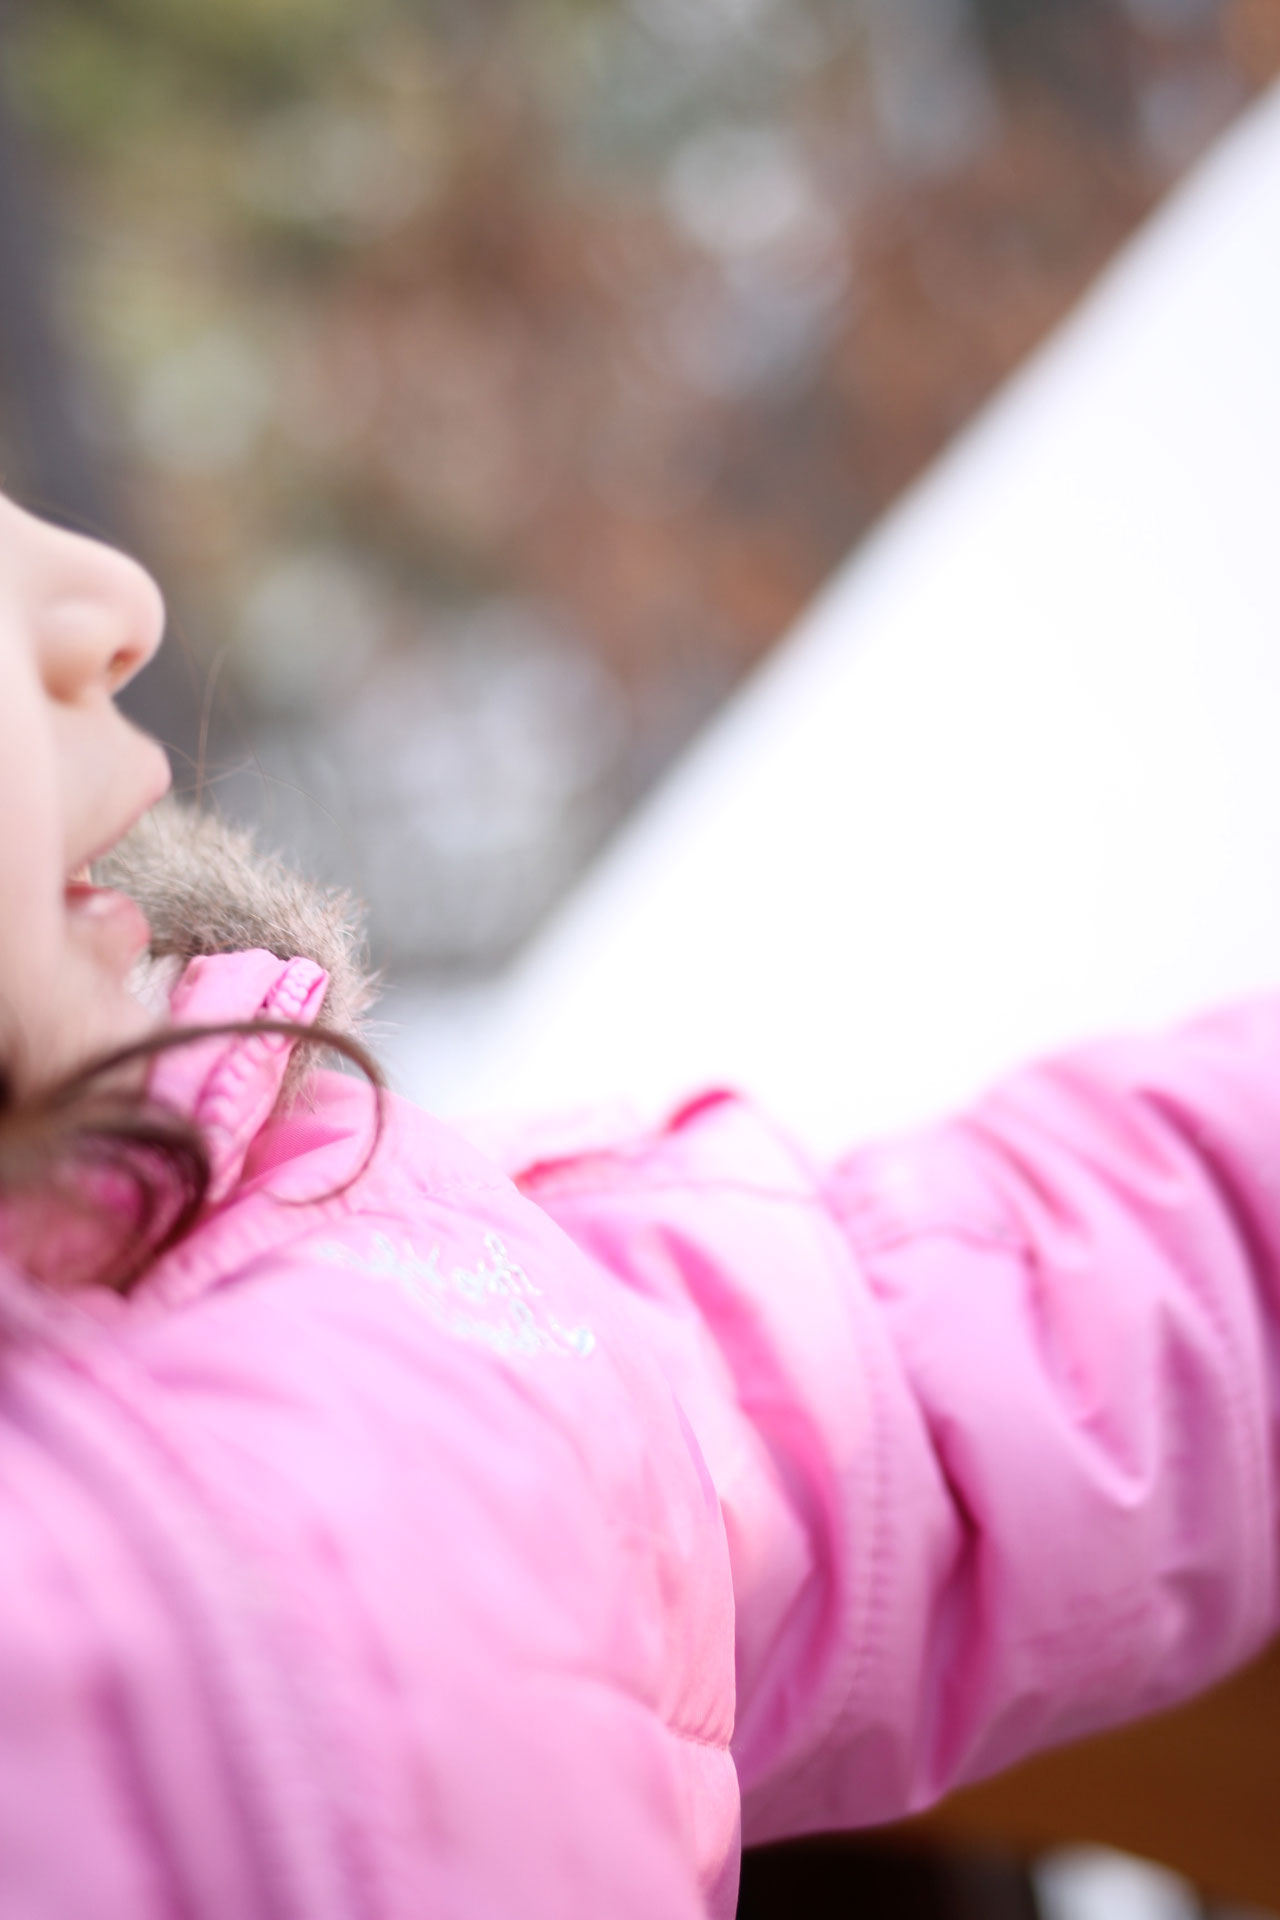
column 1253, row 37
column 568, row 341
column 1078, row 50
column 45, row 408
column 42, row 409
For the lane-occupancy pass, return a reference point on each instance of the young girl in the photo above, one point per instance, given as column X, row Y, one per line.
column 385, row 1537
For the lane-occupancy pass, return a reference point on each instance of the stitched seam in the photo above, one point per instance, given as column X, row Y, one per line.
column 699, row 1739
column 640, row 1184
column 884, row 1239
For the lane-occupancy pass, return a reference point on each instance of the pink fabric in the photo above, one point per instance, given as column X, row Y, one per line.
column 469, row 1548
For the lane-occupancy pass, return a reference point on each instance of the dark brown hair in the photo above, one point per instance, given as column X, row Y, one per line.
column 121, row 1177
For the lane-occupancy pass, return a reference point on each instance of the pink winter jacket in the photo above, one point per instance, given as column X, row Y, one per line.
column 470, row 1549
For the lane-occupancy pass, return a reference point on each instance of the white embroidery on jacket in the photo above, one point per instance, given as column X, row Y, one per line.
column 487, row 1305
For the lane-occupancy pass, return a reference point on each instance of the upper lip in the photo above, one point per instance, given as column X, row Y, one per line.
column 79, row 870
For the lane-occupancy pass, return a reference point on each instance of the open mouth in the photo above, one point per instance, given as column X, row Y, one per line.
column 108, row 918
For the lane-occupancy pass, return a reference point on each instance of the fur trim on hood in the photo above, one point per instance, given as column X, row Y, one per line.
column 206, row 887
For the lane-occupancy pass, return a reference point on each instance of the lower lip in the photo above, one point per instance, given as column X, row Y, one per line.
column 115, row 923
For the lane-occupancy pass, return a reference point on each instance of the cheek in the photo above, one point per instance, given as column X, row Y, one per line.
column 62, row 970
column 33, row 947
column 31, row 877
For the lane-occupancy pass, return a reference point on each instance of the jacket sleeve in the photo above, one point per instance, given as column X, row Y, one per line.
column 991, row 1410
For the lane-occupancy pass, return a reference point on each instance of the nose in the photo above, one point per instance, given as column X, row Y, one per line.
column 99, row 616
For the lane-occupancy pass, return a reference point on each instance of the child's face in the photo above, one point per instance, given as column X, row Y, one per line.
column 77, row 620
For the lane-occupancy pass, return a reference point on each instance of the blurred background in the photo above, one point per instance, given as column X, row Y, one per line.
column 490, row 382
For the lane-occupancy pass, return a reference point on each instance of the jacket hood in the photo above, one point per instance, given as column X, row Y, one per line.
column 230, row 1084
